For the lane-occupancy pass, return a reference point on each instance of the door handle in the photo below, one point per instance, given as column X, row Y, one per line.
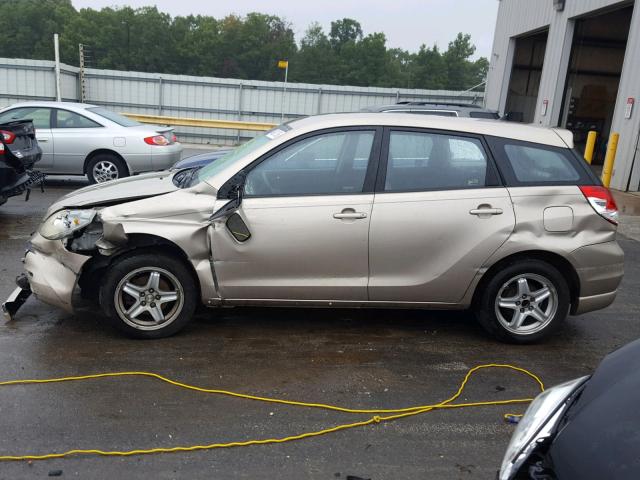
column 349, row 214
column 42, row 140
column 485, row 210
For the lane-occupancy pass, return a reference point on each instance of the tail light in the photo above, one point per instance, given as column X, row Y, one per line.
column 602, row 201
column 8, row 137
column 157, row 140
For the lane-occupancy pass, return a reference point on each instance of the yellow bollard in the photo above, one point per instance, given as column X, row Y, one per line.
column 610, row 159
column 590, row 146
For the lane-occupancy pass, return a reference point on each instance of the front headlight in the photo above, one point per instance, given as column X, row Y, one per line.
column 538, row 422
column 64, row 222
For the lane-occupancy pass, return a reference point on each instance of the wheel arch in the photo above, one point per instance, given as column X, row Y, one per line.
column 563, row 265
column 105, row 151
column 92, row 271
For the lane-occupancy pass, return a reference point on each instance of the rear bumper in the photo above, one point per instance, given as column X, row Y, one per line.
column 18, row 183
column 592, row 303
column 600, row 269
column 165, row 156
column 53, row 271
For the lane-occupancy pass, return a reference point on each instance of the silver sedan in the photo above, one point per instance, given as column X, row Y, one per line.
column 82, row 139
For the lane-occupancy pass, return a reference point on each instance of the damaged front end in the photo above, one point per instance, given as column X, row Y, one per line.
column 75, row 246
column 54, row 259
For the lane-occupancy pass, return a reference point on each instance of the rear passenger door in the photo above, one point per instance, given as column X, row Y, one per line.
column 439, row 212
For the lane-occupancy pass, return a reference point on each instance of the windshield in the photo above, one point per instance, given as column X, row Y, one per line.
column 240, row 152
column 114, row 117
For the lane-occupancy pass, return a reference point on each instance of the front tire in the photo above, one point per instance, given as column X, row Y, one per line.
column 104, row 167
column 524, row 302
column 148, row 296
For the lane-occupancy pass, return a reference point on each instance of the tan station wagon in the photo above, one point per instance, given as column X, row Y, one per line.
column 345, row 210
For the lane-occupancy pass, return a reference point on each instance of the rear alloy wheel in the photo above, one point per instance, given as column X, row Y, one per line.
column 105, row 167
column 524, row 302
column 149, row 296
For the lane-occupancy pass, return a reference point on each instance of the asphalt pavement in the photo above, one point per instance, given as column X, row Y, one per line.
column 355, row 358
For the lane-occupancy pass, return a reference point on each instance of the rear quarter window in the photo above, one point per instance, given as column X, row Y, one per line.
column 531, row 164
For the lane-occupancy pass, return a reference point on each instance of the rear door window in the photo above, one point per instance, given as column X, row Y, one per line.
column 530, row 164
column 423, row 161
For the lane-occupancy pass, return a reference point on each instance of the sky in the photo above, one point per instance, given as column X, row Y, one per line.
column 406, row 23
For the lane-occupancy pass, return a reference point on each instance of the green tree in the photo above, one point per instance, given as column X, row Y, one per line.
column 251, row 46
column 428, row 69
column 315, row 61
column 344, row 31
column 145, row 39
column 197, row 45
column 399, row 72
column 460, row 70
column 27, row 26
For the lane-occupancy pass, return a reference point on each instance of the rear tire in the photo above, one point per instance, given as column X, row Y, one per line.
column 149, row 296
column 524, row 302
column 104, row 167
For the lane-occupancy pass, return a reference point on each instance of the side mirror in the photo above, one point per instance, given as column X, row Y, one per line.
column 229, row 207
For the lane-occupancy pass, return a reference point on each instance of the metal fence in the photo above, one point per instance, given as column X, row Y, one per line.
column 200, row 97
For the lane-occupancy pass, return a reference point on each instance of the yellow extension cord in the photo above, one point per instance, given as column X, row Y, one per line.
column 397, row 413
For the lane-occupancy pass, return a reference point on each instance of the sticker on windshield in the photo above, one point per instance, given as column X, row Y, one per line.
column 275, row 133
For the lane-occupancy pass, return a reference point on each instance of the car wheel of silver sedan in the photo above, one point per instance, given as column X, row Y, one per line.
column 149, row 296
column 524, row 302
column 105, row 167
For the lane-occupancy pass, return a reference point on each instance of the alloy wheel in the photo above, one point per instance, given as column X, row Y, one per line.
column 526, row 303
column 149, row 298
column 104, row 170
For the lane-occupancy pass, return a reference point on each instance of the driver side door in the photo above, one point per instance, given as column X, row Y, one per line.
column 301, row 231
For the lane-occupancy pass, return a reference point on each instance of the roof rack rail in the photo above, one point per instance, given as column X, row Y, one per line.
column 453, row 104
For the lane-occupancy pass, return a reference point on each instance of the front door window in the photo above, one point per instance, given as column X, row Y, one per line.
column 332, row 163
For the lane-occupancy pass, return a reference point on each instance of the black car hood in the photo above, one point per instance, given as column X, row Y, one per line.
column 601, row 433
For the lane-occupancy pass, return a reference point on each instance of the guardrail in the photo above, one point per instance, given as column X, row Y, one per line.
column 198, row 122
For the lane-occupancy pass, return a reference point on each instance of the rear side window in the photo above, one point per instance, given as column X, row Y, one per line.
column 532, row 164
column 422, row 161
column 67, row 119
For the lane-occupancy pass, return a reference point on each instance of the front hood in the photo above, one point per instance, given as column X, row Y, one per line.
column 117, row 191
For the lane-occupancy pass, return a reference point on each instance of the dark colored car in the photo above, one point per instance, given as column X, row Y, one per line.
column 586, row 429
column 440, row 109
column 19, row 151
column 200, row 160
